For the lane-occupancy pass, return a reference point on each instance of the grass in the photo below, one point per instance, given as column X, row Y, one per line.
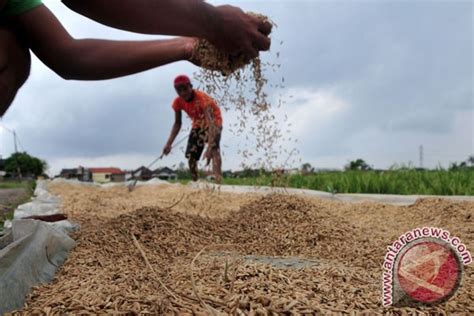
column 28, row 185
column 6, row 210
column 426, row 182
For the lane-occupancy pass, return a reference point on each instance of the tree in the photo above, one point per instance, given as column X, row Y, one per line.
column 26, row 164
column 358, row 164
column 306, row 168
column 470, row 160
column 468, row 164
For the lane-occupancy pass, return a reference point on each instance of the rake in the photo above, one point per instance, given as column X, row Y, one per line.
column 132, row 185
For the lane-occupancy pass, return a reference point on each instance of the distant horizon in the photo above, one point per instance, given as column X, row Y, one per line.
column 373, row 168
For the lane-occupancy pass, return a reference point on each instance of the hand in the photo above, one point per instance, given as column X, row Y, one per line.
column 208, row 156
column 167, row 149
column 239, row 33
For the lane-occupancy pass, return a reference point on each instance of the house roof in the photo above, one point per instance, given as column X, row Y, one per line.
column 106, row 170
column 69, row 171
column 142, row 169
column 164, row 170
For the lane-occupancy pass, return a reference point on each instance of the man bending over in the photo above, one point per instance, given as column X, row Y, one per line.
column 206, row 126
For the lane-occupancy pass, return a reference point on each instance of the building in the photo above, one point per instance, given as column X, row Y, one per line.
column 142, row 174
column 69, row 173
column 118, row 177
column 103, row 175
column 80, row 173
column 165, row 174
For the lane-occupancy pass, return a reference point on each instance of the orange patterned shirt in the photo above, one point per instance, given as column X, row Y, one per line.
column 195, row 109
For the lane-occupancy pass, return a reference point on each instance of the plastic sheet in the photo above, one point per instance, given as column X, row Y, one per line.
column 32, row 250
column 391, row 199
column 32, row 258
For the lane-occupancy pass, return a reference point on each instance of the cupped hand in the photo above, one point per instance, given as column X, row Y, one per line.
column 237, row 32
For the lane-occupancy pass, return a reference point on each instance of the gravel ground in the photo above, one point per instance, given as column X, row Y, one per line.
column 171, row 249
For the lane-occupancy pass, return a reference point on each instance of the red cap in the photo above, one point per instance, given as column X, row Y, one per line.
column 181, row 79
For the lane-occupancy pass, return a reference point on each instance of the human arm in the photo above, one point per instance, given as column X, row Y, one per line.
column 174, row 132
column 91, row 59
column 227, row 27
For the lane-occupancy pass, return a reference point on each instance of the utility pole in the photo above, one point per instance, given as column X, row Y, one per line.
column 15, row 142
column 421, row 156
column 18, row 170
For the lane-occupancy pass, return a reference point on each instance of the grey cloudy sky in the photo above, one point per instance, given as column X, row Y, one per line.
column 368, row 79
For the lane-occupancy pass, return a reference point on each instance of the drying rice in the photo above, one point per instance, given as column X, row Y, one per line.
column 197, row 264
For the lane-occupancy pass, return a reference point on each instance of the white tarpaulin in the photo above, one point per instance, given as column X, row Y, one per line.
column 32, row 258
column 32, row 250
column 392, row 199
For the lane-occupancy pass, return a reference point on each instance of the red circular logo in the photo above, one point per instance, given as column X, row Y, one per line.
column 429, row 271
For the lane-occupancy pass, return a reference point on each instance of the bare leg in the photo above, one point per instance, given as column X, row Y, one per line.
column 217, row 165
column 193, row 167
column 15, row 64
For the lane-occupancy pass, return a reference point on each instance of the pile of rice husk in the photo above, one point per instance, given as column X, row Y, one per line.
column 160, row 260
column 83, row 202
